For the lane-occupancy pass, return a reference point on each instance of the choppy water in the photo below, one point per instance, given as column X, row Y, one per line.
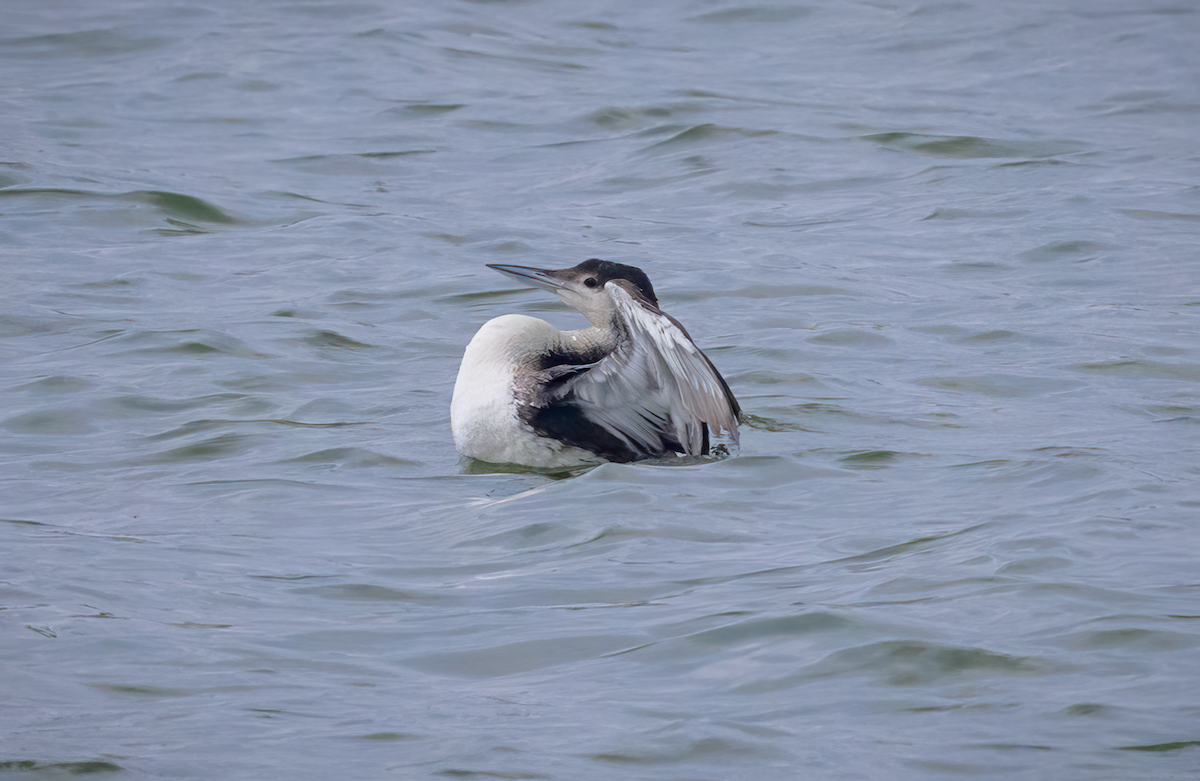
column 945, row 253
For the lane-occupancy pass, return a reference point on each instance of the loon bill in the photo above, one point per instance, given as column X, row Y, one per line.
column 632, row 386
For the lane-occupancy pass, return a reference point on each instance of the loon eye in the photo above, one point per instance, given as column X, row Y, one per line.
column 590, row 282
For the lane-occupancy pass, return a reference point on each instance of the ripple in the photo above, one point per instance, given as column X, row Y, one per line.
column 703, row 135
column 141, row 691
column 873, row 459
column 187, row 342
column 328, row 339
column 54, row 422
column 970, row 147
column 389, row 736
column 1150, row 214
column 211, row 449
column 905, row 663
column 522, row 63
column 976, row 214
column 1131, row 639
column 760, row 14
column 705, row 751
column 1175, row 746
column 362, row 163
column 350, row 458
column 178, row 208
column 1074, row 251
column 524, row 656
column 421, row 110
column 757, row 629
column 999, row 385
column 138, row 404
column 18, row 325
column 850, row 337
column 368, row 592
column 1141, row 368
column 59, row 769
column 1035, row 565
column 766, row 292
column 82, row 44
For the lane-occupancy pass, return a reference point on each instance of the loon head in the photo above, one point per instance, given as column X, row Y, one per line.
column 584, row 288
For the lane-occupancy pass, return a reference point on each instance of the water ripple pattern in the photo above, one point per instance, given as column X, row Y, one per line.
column 944, row 253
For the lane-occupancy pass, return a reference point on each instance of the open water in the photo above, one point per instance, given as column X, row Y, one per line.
column 946, row 254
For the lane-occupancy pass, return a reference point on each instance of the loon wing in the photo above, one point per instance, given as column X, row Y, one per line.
column 656, row 391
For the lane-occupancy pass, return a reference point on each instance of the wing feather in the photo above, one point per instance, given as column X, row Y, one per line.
column 656, row 391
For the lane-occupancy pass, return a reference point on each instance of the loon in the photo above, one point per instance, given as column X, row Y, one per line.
column 632, row 386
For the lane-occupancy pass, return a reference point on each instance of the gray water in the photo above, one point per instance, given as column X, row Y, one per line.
column 944, row 252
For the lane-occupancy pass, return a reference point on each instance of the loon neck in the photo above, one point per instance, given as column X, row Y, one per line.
column 586, row 345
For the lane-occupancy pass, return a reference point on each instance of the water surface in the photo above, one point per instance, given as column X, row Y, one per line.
column 944, row 253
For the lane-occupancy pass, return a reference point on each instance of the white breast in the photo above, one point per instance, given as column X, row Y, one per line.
column 484, row 414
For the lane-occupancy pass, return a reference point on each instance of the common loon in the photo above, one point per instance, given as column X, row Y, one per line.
column 633, row 386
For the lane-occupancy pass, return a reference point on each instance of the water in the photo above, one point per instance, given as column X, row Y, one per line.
column 945, row 253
